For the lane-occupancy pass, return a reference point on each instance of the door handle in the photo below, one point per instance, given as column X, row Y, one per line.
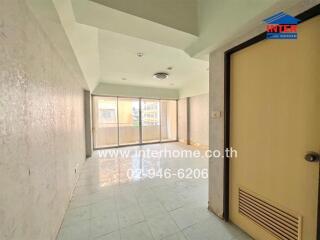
column 312, row 157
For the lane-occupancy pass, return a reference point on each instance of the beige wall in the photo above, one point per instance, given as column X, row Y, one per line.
column 199, row 120
column 41, row 128
column 182, row 120
column 190, row 89
column 216, row 98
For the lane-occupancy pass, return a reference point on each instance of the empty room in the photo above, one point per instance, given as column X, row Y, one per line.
column 159, row 119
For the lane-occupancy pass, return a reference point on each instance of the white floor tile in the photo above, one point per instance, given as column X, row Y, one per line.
column 76, row 215
column 125, row 200
column 138, row 231
column 162, row 226
column 111, row 236
column 80, row 201
column 175, row 236
column 103, row 225
column 189, row 215
column 152, row 209
column 212, row 229
column 108, row 205
column 172, row 203
column 145, row 196
column 130, row 216
column 76, row 231
column 102, row 208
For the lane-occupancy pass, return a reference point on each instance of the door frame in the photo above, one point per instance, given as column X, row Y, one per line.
column 310, row 13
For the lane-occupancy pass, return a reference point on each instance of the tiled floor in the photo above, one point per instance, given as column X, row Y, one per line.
column 107, row 205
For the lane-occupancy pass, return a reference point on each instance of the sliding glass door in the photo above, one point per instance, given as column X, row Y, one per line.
column 105, row 122
column 129, row 127
column 121, row 121
column 150, row 118
column 168, row 120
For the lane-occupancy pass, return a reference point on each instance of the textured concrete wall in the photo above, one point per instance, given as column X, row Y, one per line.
column 41, row 128
column 216, row 96
column 199, row 120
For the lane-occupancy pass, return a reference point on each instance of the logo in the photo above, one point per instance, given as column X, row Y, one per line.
column 281, row 26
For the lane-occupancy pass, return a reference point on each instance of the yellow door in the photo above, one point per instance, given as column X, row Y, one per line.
column 274, row 121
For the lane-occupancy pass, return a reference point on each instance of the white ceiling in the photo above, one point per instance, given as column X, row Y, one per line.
column 93, row 14
column 122, row 35
column 118, row 59
column 177, row 14
column 106, row 37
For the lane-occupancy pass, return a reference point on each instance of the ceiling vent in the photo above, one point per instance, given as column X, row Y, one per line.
column 161, row 75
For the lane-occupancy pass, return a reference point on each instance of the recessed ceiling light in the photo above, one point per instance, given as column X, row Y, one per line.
column 161, row 75
column 140, row 54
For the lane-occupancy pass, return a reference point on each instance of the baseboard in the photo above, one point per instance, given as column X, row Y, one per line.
column 183, row 141
column 199, row 145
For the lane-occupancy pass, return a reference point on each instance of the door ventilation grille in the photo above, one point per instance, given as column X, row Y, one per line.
column 278, row 222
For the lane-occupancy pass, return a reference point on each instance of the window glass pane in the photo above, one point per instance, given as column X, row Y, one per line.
column 119, row 117
column 150, row 118
column 168, row 120
column 105, row 122
column 128, row 121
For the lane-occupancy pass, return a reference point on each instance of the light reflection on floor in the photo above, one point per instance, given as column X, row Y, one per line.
column 108, row 204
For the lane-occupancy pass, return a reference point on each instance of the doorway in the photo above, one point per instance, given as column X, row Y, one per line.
column 125, row 121
column 272, row 102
